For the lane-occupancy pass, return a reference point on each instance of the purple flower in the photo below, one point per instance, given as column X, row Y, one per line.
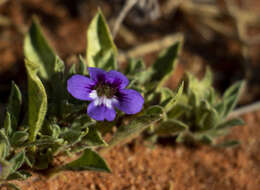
column 105, row 90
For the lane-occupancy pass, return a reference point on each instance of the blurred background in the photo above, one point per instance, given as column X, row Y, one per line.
column 222, row 34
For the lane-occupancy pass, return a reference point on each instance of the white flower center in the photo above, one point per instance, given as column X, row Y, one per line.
column 103, row 100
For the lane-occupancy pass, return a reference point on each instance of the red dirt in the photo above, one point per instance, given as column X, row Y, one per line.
column 168, row 167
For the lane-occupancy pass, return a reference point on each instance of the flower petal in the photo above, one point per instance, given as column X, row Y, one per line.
column 80, row 87
column 97, row 74
column 129, row 101
column 117, row 79
column 101, row 112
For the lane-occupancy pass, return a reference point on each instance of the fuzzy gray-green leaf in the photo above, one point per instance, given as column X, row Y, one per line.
column 8, row 124
column 126, row 133
column 205, row 139
column 101, row 50
column 17, row 161
column 21, row 175
column 231, row 96
column 94, row 138
column 38, row 51
column 211, row 119
column 231, row 123
column 165, row 63
column 89, row 160
column 168, row 105
column 37, row 101
column 18, row 138
column 4, row 144
column 14, row 105
column 221, row 109
column 155, row 110
column 166, row 93
column 72, row 136
column 178, row 110
column 134, row 67
column 228, row 144
column 207, row 79
column 72, row 70
column 82, row 66
column 6, row 169
column 171, row 126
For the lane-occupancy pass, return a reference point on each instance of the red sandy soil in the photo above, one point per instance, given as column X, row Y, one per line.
column 169, row 167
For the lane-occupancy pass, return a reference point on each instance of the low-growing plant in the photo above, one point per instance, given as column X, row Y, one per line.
column 200, row 114
column 68, row 111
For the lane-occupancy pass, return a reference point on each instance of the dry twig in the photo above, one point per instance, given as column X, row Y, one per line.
column 127, row 7
column 151, row 47
column 246, row 109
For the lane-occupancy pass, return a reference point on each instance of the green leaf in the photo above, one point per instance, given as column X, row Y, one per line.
column 37, row 103
column 82, row 122
column 89, row 160
column 43, row 159
column 194, row 99
column 155, row 110
column 72, row 70
column 170, row 102
column 72, row 136
column 231, row 123
column 221, row 109
column 137, row 73
column 178, row 110
column 234, row 89
column 211, row 119
column 231, row 96
column 101, row 50
column 51, row 129
column 17, row 161
column 59, row 66
column 214, row 133
column 144, row 77
column 205, row 139
column 201, row 90
column 30, row 159
column 14, row 105
column 228, row 144
column 212, row 96
column 38, row 51
column 186, row 138
column 207, row 79
column 18, row 138
column 126, row 133
column 78, row 68
column 8, row 124
column 21, row 175
column 82, row 66
column 45, row 142
column 4, row 144
column 166, row 93
column 6, row 169
column 55, row 131
column 134, row 67
column 170, row 127
column 165, row 63
column 94, row 138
